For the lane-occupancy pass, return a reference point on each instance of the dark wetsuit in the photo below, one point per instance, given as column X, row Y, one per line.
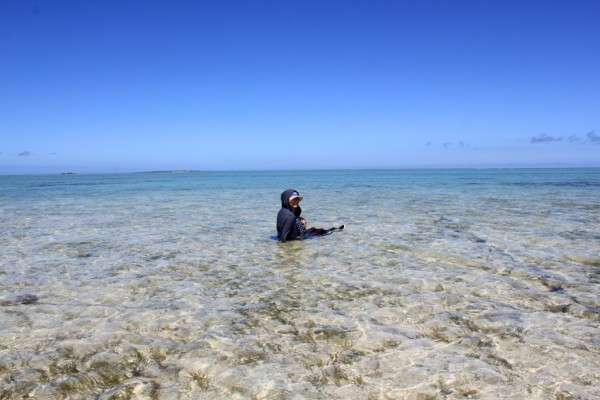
column 286, row 219
column 290, row 225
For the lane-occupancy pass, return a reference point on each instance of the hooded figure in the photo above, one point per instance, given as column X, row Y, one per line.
column 287, row 216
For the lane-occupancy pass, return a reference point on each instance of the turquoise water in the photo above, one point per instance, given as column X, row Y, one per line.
column 444, row 284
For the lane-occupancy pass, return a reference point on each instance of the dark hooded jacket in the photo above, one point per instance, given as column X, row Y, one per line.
column 286, row 218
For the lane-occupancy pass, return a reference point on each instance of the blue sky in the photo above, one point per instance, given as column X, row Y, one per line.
column 132, row 85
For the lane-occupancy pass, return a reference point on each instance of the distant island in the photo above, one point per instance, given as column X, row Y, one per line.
column 67, row 173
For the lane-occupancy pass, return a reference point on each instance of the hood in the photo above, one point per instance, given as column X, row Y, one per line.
column 285, row 201
column 285, row 198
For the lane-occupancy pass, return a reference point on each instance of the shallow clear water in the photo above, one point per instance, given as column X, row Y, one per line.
column 444, row 284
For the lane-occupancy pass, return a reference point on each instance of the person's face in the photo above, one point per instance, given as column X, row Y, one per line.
column 294, row 202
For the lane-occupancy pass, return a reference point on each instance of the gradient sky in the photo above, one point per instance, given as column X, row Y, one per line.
column 132, row 85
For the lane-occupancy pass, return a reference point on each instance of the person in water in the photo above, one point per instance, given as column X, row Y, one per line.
column 290, row 225
column 288, row 216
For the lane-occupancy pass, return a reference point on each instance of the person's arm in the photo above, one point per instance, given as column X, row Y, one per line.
column 287, row 227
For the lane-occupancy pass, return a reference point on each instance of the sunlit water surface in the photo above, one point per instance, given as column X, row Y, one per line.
column 444, row 285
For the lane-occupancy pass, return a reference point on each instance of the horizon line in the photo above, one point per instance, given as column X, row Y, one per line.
column 405, row 168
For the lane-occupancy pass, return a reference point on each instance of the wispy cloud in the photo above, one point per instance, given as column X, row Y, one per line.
column 543, row 138
column 461, row 144
column 588, row 139
column 24, row 153
column 591, row 137
column 449, row 145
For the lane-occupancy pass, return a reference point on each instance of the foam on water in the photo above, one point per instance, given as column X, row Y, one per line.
column 444, row 284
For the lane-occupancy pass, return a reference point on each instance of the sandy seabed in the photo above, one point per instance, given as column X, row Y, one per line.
column 142, row 298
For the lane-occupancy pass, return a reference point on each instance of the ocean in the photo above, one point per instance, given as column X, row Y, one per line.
column 444, row 284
